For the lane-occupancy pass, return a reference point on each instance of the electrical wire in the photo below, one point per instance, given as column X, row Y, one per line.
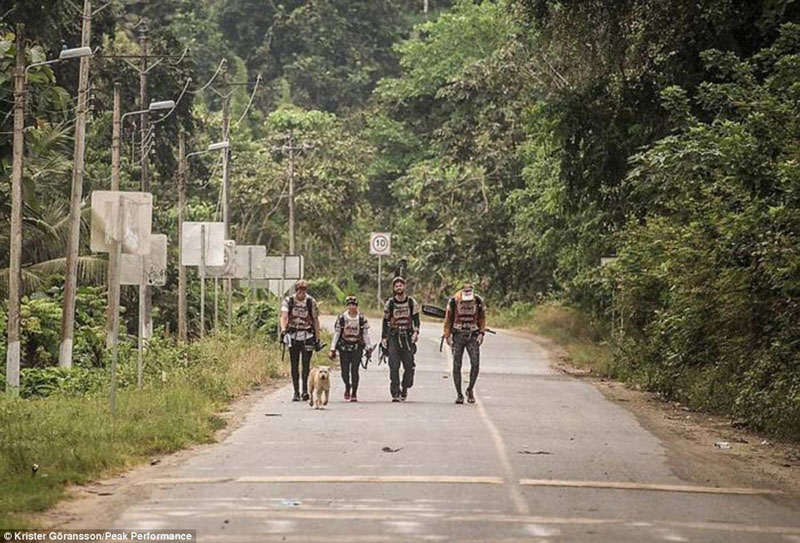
column 250, row 102
column 178, row 101
column 213, row 77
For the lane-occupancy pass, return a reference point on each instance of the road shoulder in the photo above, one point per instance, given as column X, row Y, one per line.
column 97, row 504
column 690, row 437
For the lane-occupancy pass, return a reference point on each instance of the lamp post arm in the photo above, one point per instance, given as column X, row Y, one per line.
column 36, row 64
column 133, row 113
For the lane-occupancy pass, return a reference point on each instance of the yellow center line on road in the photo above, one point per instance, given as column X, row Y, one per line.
column 450, row 517
column 424, row 479
column 616, row 485
column 520, row 503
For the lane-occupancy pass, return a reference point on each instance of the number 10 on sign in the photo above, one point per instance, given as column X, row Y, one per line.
column 380, row 243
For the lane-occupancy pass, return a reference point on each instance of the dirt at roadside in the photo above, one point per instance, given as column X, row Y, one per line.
column 97, row 504
column 701, row 448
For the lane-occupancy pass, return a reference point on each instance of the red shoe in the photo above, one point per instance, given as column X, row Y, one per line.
column 346, row 395
column 353, row 398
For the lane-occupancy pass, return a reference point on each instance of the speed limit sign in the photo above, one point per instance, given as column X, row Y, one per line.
column 380, row 243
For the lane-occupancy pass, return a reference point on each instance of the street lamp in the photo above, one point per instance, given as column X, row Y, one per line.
column 182, row 168
column 65, row 54
column 154, row 106
column 215, row 147
column 15, row 240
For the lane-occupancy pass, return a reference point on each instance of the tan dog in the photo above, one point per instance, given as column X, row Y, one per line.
column 319, row 386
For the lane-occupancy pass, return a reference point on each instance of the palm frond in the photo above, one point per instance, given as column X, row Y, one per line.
column 91, row 271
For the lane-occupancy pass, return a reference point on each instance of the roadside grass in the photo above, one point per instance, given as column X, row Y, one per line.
column 74, row 439
column 566, row 326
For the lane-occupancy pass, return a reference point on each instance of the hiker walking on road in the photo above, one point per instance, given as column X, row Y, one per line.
column 399, row 336
column 300, row 331
column 465, row 328
column 351, row 339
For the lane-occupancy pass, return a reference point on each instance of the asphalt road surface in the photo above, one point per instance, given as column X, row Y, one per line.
column 540, row 457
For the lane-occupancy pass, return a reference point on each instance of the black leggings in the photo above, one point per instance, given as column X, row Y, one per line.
column 298, row 350
column 350, row 362
column 470, row 343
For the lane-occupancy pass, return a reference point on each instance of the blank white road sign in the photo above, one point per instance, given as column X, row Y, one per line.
column 137, row 211
column 228, row 269
column 215, row 243
column 250, row 262
column 380, row 243
column 154, row 267
column 274, row 269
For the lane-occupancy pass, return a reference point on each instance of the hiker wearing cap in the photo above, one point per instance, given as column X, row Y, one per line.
column 300, row 331
column 399, row 336
column 351, row 339
column 464, row 328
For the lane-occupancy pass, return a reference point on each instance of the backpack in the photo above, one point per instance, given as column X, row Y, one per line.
column 451, row 303
column 309, row 305
column 362, row 321
column 410, row 305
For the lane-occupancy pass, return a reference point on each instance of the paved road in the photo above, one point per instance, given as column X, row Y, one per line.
column 461, row 473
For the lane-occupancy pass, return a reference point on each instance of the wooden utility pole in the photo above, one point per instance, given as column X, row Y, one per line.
column 226, row 198
column 290, row 148
column 76, row 196
column 225, row 188
column 291, row 193
column 113, row 264
column 145, row 303
column 15, row 250
column 182, row 307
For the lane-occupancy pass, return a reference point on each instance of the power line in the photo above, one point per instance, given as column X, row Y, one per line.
column 250, row 102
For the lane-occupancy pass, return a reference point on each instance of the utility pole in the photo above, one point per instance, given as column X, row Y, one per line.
column 182, row 307
column 15, row 260
column 145, row 302
column 73, row 242
column 290, row 149
column 291, row 193
column 425, row 6
column 225, row 188
column 226, row 113
column 113, row 263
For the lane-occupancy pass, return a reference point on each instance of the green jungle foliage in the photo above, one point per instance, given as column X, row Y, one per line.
column 513, row 143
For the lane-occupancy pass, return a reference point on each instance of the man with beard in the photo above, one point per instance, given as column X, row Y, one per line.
column 399, row 337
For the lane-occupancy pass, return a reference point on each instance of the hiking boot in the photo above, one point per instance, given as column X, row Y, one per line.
column 296, row 397
column 403, row 394
column 395, row 398
column 305, row 396
column 460, row 399
column 346, row 395
column 470, row 397
column 353, row 398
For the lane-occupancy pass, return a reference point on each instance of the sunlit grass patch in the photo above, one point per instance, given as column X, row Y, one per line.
column 75, row 439
column 566, row 326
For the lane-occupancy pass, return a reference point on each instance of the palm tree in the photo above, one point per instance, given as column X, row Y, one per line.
column 48, row 166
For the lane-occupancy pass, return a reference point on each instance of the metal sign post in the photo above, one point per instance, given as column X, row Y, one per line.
column 216, row 304
column 380, row 243
column 252, row 286
column 203, row 245
column 145, row 270
column 202, row 280
column 225, row 271
column 120, row 224
column 114, row 286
